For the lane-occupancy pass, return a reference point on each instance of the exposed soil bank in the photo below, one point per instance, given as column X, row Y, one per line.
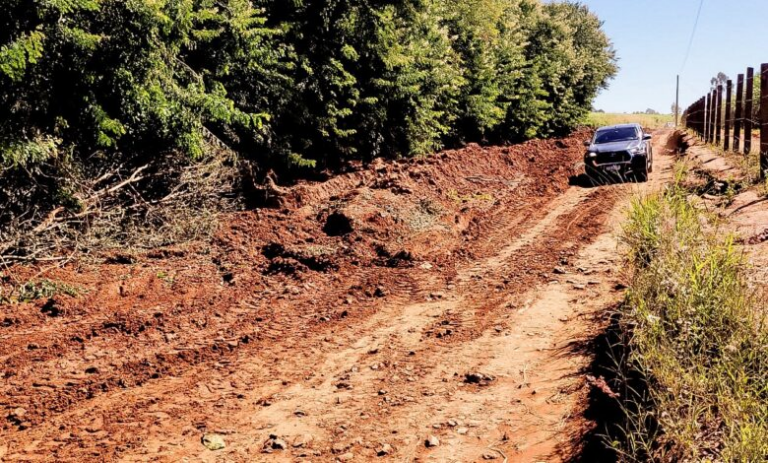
column 439, row 297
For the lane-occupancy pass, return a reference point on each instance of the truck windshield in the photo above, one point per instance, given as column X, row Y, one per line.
column 614, row 135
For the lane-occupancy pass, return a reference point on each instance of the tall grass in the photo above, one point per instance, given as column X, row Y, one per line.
column 695, row 335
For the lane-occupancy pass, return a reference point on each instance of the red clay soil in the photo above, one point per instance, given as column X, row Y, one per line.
column 357, row 321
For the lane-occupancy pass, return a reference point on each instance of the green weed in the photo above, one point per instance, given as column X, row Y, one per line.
column 41, row 289
column 166, row 277
column 695, row 334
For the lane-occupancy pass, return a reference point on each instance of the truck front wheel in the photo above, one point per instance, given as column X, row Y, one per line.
column 641, row 171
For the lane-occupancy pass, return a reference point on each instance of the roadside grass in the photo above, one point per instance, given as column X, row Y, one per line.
column 694, row 335
column 649, row 121
column 750, row 165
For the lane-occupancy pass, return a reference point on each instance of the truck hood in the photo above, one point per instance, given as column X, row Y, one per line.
column 615, row 146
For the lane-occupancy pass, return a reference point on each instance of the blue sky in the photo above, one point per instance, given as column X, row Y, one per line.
column 651, row 38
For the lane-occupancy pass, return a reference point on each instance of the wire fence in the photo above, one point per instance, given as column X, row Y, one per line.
column 729, row 122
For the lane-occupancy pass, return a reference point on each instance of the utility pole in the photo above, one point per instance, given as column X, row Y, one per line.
column 677, row 102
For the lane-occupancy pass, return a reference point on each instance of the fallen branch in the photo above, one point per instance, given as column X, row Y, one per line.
column 106, row 176
column 52, row 219
column 132, row 179
column 48, row 220
column 117, row 193
column 33, row 259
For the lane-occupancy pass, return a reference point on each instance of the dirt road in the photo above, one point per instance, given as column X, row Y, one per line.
column 434, row 310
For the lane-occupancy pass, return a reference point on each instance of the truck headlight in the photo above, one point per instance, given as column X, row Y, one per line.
column 592, row 155
column 638, row 150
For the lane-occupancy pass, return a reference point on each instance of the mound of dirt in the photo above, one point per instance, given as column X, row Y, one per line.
column 110, row 339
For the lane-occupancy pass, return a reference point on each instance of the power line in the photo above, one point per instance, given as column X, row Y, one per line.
column 693, row 34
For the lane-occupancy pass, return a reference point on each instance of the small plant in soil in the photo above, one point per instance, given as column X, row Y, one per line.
column 42, row 289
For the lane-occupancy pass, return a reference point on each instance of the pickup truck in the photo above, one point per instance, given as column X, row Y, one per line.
column 623, row 151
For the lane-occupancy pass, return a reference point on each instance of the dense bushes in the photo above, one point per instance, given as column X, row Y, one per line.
column 88, row 86
column 307, row 80
column 134, row 77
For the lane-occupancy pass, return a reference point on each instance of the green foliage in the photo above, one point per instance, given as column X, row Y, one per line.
column 15, row 153
column 696, row 334
column 135, row 77
column 16, row 56
column 296, row 86
column 43, row 289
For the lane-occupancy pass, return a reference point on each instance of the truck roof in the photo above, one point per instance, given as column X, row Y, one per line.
column 619, row 126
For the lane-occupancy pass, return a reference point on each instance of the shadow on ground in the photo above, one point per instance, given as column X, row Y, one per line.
column 615, row 390
column 585, row 181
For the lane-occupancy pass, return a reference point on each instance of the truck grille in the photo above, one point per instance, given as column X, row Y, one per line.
column 611, row 158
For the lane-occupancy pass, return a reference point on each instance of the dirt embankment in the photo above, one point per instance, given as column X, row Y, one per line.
column 727, row 184
column 435, row 298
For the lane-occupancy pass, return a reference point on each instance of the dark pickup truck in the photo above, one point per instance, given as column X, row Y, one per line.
column 622, row 151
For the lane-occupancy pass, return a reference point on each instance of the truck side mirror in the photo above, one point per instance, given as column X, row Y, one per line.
column 647, row 137
column 587, row 143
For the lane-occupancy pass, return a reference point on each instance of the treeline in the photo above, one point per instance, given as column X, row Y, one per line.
column 302, row 82
column 295, row 86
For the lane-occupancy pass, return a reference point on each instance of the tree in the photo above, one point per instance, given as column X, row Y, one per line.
column 719, row 79
column 299, row 87
column 309, row 83
column 133, row 77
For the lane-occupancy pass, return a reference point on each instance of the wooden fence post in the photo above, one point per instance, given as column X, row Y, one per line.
column 748, row 112
column 719, row 114
column 697, row 118
column 712, row 113
column 694, row 118
column 694, row 115
column 706, row 117
column 763, row 120
column 739, row 112
column 728, row 96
